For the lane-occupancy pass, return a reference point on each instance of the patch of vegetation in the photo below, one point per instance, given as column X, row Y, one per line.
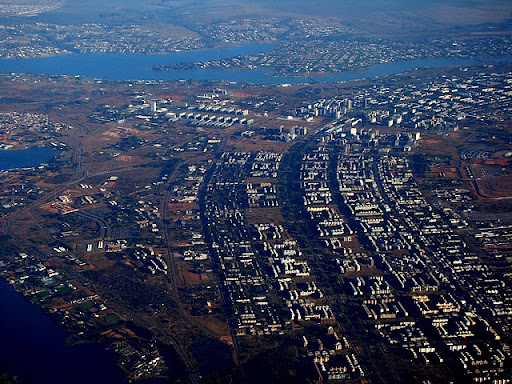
column 128, row 143
column 8, row 379
column 86, row 305
column 177, row 372
column 63, row 290
column 138, row 294
column 282, row 365
column 60, row 178
column 419, row 165
column 213, row 357
column 497, row 206
column 112, row 319
column 6, row 247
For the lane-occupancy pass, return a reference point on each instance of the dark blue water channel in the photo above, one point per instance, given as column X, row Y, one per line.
column 113, row 66
column 25, row 158
column 32, row 347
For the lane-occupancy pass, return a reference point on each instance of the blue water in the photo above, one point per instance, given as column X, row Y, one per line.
column 25, row 158
column 139, row 66
column 119, row 66
column 32, row 348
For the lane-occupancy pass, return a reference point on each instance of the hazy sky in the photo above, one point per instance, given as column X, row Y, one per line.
column 372, row 15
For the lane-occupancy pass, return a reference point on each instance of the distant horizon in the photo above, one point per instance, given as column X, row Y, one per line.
column 387, row 16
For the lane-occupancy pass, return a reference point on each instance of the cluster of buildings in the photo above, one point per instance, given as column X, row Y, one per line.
column 266, row 164
column 266, row 278
column 241, row 274
column 214, row 113
column 26, row 9
column 187, row 238
column 79, row 309
column 429, row 272
column 31, row 40
column 147, row 259
column 14, row 127
column 18, row 130
column 197, row 119
column 335, row 233
column 262, row 195
column 244, row 30
column 127, row 225
column 18, row 195
column 444, row 103
column 330, row 52
column 139, row 363
column 318, row 199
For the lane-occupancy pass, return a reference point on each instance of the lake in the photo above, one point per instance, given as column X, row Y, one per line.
column 113, row 66
column 119, row 66
column 25, row 158
column 33, row 348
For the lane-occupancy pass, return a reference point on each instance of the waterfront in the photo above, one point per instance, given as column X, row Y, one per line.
column 121, row 67
column 118, row 66
column 30, row 338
